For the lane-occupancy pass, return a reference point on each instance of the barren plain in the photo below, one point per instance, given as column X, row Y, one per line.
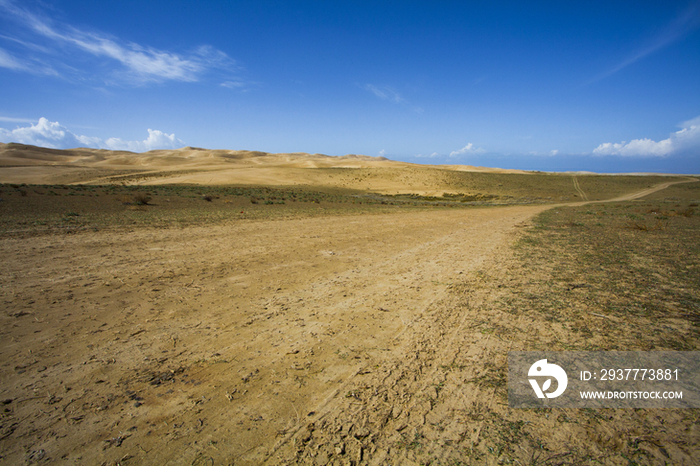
column 203, row 307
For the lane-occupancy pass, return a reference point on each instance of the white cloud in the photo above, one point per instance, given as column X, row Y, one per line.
column 138, row 63
column 382, row 153
column 46, row 133
column 554, row 152
column 156, row 140
column 636, row 147
column 468, row 149
column 688, row 138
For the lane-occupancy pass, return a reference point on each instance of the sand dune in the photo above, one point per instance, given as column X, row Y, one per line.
column 192, row 165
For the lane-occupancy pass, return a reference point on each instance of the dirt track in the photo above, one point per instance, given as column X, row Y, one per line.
column 314, row 340
column 282, row 316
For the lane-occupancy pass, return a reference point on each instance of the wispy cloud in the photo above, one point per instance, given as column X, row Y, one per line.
column 16, row 120
column 385, row 93
column 136, row 64
column 468, row 149
column 25, row 44
column 391, row 95
column 239, row 85
column 52, row 134
column 7, row 60
column 233, row 84
column 685, row 140
column 682, row 25
column 431, row 156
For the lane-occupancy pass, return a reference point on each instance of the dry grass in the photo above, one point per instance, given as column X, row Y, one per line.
column 39, row 209
column 620, row 277
column 42, row 208
column 640, row 268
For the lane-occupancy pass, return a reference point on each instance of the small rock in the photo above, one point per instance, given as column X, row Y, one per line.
column 360, row 433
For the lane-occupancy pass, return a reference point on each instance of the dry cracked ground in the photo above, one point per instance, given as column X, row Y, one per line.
column 364, row 339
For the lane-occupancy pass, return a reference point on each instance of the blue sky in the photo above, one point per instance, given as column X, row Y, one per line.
column 600, row 86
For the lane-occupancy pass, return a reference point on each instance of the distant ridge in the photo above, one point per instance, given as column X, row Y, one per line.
column 195, row 165
column 362, row 157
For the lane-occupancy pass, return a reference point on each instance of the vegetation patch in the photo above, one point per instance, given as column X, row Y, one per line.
column 602, row 277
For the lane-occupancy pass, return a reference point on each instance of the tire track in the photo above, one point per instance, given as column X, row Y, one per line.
column 325, row 340
column 579, row 190
column 427, row 402
column 635, row 195
column 387, row 394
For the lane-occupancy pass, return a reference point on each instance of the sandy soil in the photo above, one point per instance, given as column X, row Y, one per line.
column 228, row 341
column 310, row 341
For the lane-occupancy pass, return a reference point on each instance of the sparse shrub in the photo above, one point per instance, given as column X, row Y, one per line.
column 207, row 198
column 687, row 212
column 253, row 200
column 637, row 226
column 136, row 199
column 141, row 199
column 640, row 226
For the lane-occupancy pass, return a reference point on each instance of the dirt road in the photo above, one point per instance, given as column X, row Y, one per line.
column 337, row 339
column 221, row 341
column 630, row 196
